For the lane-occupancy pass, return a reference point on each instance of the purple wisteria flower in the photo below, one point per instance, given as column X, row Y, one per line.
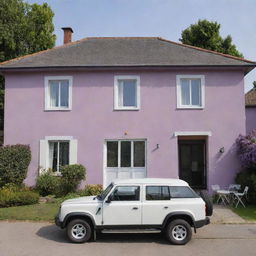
column 246, row 146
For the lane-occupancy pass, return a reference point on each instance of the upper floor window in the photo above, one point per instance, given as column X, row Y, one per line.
column 127, row 93
column 190, row 91
column 58, row 93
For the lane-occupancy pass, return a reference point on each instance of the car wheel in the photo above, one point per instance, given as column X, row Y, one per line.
column 178, row 232
column 79, row 231
column 208, row 202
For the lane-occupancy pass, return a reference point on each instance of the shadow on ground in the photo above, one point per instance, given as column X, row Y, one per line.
column 53, row 233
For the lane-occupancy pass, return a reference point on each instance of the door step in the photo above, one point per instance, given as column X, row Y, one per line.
column 138, row 231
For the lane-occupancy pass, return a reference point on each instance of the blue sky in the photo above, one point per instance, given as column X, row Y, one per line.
column 165, row 18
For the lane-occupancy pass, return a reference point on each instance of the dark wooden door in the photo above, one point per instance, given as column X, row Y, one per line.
column 192, row 162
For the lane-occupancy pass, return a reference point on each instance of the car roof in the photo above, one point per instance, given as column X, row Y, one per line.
column 149, row 181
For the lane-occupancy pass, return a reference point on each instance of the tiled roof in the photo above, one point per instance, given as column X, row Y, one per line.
column 250, row 98
column 125, row 52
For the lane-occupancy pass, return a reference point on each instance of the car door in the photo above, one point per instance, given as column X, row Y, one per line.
column 156, row 204
column 124, row 207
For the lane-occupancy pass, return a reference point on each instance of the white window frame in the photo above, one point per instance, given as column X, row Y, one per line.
column 119, row 168
column 130, row 77
column 44, row 151
column 132, row 153
column 47, row 93
column 178, row 89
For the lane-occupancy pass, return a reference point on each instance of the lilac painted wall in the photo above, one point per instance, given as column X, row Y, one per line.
column 92, row 119
column 250, row 113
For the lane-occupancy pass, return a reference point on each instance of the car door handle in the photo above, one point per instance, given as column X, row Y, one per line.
column 166, row 207
column 135, row 208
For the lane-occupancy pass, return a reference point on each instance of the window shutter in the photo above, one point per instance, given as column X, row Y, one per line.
column 43, row 155
column 73, row 152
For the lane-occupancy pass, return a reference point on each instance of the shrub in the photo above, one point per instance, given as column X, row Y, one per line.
column 91, row 190
column 14, row 162
column 248, row 178
column 13, row 195
column 48, row 184
column 71, row 177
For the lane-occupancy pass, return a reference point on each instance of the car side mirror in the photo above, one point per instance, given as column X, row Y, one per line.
column 109, row 199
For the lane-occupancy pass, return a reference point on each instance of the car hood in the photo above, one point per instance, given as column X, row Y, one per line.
column 82, row 200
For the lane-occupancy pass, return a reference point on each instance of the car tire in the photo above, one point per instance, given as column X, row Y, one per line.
column 178, row 232
column 209, row 206
column 79, row 231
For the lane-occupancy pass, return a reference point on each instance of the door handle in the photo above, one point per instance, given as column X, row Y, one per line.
column 135, row 208
column 166, row 207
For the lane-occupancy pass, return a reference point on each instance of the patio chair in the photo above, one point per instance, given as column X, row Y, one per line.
column 239, row 197
column 234, row 187
column 215, row 189
column 223, row 195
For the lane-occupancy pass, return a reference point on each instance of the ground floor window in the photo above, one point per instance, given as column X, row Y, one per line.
column 126, row 153
column 124, row 159
column 58, row 154
column 57, row 151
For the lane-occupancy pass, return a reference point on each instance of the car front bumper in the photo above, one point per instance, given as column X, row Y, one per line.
column 58, row 222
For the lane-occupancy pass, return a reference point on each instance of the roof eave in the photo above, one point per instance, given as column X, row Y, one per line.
column 246, row 67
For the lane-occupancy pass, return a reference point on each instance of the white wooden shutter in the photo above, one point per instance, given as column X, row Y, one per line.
column 43, row 155
column 73, row 152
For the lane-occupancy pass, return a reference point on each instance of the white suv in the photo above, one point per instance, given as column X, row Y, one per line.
column 168, row 205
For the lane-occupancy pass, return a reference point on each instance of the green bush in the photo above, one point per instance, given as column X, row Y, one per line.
column 48, row 184
column 248, row 178
column 71, row 175
column 91, row 190
column 13, row 195
column 14, row 162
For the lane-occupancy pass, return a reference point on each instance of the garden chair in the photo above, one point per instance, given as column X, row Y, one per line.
column 223, row 195
column 215, row 189
column 239, row 197
column 234, row 187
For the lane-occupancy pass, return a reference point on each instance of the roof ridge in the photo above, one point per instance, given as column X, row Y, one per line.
column 206, row 50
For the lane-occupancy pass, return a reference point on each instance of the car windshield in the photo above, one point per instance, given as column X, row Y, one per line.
column 105, row 192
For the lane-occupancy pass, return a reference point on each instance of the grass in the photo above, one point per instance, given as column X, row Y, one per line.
column 248, row 213
column 35, row 212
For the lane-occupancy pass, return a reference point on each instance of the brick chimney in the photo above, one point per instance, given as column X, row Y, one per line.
column 67, row 35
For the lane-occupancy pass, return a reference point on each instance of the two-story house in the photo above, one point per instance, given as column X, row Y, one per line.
column 127, row 108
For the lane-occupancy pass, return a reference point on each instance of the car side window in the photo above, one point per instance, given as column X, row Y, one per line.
column 126, row 193
column 182, row 192
column 157, row 193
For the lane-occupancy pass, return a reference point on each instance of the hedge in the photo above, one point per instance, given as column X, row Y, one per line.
column 14, row 162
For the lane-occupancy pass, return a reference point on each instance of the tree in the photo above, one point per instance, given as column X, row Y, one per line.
column 206, row 34
column 24, row 29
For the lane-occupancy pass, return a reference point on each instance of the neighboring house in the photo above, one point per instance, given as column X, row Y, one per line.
column 250, row 110
column 128, row 108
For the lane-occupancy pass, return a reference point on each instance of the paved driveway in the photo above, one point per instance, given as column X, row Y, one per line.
column 43, row 239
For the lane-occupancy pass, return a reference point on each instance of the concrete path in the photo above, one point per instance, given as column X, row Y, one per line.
column 223, row 214
column 43, row 239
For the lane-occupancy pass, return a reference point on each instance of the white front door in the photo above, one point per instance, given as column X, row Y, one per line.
column 124, row 159
column 125, row 207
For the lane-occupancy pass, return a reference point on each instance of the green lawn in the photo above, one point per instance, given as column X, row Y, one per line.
column 36, row 212
column 248, row 213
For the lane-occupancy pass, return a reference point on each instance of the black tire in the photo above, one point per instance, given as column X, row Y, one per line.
column 173, row 229
column 209, row 206
column 83, row 233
